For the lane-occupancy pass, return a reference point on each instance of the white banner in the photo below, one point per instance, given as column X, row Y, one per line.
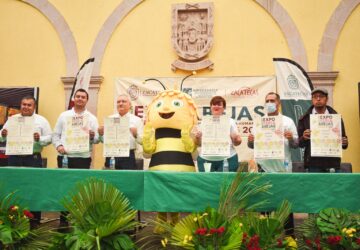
column 244, row 97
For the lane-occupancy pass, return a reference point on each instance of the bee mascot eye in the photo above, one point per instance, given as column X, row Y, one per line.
column 159, row 104
column 177, row 103
column 170, row 118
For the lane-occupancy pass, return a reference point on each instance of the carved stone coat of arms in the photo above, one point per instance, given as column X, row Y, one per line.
column 192, row 35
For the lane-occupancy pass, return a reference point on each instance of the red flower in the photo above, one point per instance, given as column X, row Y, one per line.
column 334, row 240
column 308, row 242
column 213, row 230
column 28, row 214
column 253, row 243
column 279, row 242
column 201, row 231
column 358, row 241
column 244, row 237
column 220, row 230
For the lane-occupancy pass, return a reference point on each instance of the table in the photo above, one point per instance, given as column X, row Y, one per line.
column 41, row 189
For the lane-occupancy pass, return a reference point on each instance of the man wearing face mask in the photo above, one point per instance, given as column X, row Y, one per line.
column 272, row 107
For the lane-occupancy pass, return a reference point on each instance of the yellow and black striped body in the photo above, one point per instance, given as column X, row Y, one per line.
column 170, row 153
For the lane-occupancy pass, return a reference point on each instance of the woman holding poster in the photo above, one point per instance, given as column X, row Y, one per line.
column 217, row 136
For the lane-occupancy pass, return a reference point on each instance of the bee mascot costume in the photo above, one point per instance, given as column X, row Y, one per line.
column 170, row 118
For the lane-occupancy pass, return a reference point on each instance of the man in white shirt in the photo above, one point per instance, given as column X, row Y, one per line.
column 42, row 138
column 75, row 160
column 123, row 105
column 272, row 108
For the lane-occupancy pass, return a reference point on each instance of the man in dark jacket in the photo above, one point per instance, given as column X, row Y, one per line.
column 319, row 98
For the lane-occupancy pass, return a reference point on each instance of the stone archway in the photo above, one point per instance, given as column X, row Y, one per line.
column 332, row 32
column 63, row 30
column 103, row 37
column 289, row 30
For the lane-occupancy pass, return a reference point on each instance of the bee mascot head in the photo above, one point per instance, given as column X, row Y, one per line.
column 170, row 118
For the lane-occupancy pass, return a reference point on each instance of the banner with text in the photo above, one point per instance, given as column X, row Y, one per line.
column 244, row 97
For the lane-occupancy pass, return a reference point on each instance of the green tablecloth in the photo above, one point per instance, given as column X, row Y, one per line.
column 42, row 189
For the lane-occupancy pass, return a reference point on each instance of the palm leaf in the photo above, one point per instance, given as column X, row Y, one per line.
column 235, row 196
column 307, row 230
column 40, row 239
column 282, row 213
column 100, row 214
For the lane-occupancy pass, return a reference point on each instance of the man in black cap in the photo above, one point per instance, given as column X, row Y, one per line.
column 319, row 98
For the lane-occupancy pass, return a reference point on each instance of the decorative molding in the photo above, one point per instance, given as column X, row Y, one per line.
column 63, row 30
column 332, row 32
column 95, row 83
column 289, row 29
column 192, row 35
column 325, row 80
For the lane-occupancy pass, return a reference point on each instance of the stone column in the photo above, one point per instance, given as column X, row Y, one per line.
column 325, row 80
column 94, row 87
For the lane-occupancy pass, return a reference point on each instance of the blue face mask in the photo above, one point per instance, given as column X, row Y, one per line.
column 270, row 107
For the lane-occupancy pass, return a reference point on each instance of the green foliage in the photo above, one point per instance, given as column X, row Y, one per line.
column 266, row 231
column 331, row 221
column 208, row 230
column 227, row 226
column 332, row 228
column 100, row 215
column 15, row 230
column 235, row 195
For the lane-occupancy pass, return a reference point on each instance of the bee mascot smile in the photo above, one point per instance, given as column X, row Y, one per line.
column 170, row 118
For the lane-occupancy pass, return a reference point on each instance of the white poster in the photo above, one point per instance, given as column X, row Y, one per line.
column 116, row 137
column 77, row 134
column 269, row 139
column 326, row 135
column 20, row 137
column 215, row 136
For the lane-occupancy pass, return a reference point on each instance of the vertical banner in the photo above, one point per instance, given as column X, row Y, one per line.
column 245, row 98
column 82, row 79
column 294, row 87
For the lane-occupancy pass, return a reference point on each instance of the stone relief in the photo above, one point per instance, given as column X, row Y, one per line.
column 192, row 35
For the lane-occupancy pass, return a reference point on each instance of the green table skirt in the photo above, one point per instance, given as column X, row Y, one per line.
column 42, row 189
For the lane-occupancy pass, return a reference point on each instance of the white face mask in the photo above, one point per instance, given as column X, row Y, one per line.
column 270, row 107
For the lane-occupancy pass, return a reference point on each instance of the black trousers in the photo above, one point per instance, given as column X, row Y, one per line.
column 123, row 163
column 73, row 163
column 35, row 161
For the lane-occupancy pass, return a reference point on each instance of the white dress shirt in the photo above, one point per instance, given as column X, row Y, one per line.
column 59, row 131
column 41, row 126
column 277, row 165
column 134, row 122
